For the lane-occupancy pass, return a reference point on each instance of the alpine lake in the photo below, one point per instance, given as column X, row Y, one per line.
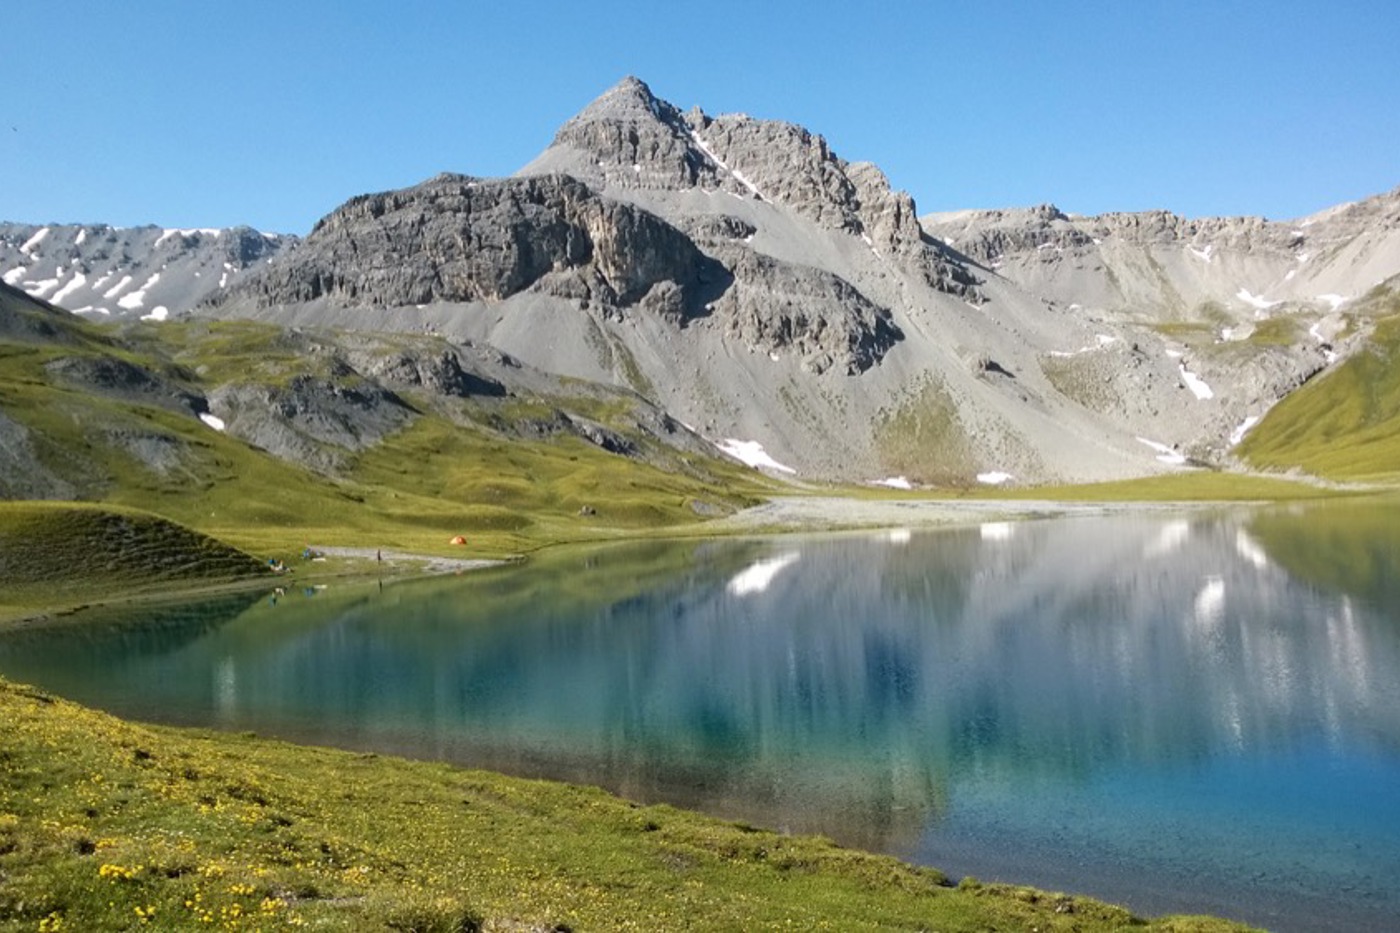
column 1189, row 712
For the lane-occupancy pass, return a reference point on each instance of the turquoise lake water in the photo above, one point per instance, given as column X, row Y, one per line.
column 1196, row 713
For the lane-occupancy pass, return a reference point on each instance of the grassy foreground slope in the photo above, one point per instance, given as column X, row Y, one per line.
column 1344, row 425
column 107, row 825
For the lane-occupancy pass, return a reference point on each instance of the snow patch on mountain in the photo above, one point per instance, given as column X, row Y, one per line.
column 34, row 241
column 75, row 283
column 168, row 232
column 115, row 290
column 1242, row 429
column 136, row 299
column 1164, row 453
column 1195, row 383
column 1254, row 301
column 751, row 453
column 41, row 287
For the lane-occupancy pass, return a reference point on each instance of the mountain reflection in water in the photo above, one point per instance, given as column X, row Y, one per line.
column 982, row 698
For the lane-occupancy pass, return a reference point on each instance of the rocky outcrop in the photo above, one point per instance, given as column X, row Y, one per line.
column 439, row 373
column 23, row 474
column 460, row 239
column 313, row 420
column 632, row 139
column 114, row 377
column 986, row 236
column 783, row 308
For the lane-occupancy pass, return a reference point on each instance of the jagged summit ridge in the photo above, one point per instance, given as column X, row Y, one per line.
column 630, row 143
column 630, row 138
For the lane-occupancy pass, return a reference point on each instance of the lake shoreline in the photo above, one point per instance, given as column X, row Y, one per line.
column 780, row 515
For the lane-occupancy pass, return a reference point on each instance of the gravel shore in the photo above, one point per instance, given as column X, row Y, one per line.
column 815, row 513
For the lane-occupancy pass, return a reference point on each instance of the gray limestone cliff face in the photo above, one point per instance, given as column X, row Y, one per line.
column 460, row 239
column 986, row 236
column 457, row 239
column 632, row 139
column 784, row 308
column 629, row 139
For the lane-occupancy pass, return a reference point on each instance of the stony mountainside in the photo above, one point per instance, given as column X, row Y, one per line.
column 129, row 272
column 1156, row 266
column 790, row 306
column 81, row 408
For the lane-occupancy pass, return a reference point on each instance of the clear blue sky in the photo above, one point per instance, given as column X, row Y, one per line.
column 273, row 113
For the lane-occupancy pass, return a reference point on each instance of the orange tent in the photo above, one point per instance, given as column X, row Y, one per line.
column 458, row 540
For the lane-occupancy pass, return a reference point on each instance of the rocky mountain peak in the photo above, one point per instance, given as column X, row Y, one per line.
column 629, row 143
column 627, row 139
column 628, row 100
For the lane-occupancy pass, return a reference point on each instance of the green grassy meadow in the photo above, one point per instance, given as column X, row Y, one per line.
column 1345, row 424
column 109, row 825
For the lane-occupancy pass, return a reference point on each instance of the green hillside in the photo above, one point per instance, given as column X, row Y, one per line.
column 54, row 552
column 105, row 414
column 1343, row 425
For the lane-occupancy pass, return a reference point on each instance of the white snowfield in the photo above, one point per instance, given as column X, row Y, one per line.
column 214, row 421
column 41, row 287
column 170, row 232
column 751, row 453
column 84, row 267
column 136, row 299
column 76, row 282
column 34, row 241
column 1195, row 383
column 1254, row 301
column 1164, row 453
column 1242, row 429
column 115, row 290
